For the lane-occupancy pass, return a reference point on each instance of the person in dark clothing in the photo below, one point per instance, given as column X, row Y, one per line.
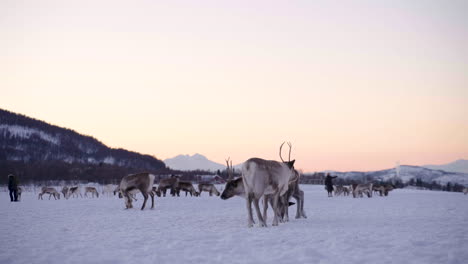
column 329, row 184
column 13, row 187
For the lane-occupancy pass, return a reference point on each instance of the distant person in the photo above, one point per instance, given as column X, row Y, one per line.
column 329, row 184
column 13, row 187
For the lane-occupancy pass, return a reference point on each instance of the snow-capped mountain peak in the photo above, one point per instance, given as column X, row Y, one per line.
column 195, row 162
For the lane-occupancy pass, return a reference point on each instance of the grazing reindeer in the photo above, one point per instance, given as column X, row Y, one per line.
column 65, row 192
column 377, row 188
column 74, row 191
column 388, row 188
column 51, row 191
column 363, row 188
column 91, row 190
column 262, row 177
column 169, row 183
column 235, row 187
column 142, row 182
column 208, row 187
column 187, row 187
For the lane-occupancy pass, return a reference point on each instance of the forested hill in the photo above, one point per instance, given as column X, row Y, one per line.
column 25, row 140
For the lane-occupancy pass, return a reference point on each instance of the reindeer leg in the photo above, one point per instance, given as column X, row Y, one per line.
column 145, row 195
column 249, row 210
column 275, row 209
column 152, row 200
column 286, row 209
column 261, row 221
column 265, row 208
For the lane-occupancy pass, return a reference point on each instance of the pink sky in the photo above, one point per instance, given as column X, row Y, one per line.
column 354, row 86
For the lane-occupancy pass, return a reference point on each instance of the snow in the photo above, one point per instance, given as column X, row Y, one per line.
column 26, row 132
column 408, row 226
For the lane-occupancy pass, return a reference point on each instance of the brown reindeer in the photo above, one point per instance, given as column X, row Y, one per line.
column 91, row 190
column 171, row 183
column 49, row 190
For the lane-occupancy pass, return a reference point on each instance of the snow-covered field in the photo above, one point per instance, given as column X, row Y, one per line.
column 409, row 226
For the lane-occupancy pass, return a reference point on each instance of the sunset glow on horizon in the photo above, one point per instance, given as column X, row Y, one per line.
column 353, row 85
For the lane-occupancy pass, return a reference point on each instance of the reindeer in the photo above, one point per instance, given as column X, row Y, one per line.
column 377, row 188
column 362, row 188
column 51, row 191
column 75, row 190
column 169, row 183
column 208, row 187
column 142, row 182
column 388, row 188
column 262, row 177
column 235, row 187
column 465, row 190
column 91, row 190
column 108, row 189
column 187, row 187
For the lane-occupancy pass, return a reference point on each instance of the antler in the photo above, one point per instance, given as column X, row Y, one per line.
column 280, row 152
column 229, row 169
column 290, row 148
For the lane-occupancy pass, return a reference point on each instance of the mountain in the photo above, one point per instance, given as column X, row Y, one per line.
column 456, row 166
column 195, row 162
column 27, row 140
column 406, row 174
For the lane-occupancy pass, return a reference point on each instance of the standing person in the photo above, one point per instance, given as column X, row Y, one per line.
column 329, row 184
column 13, row 187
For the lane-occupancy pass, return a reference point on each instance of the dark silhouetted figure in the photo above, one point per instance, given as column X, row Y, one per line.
column 329, row 184
column 13, row 187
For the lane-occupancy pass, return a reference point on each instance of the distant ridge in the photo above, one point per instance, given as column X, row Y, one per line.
column 460, row 165
column 407, row 173
column 30, row 140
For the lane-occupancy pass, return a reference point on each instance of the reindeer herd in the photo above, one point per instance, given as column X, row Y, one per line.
column 273, row 183
column 359, row 190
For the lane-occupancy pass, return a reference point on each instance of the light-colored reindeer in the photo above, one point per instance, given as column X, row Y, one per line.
column 361, row 189
column 108, row 189
column 49, row 190
column 208, row 187
column 262, row 177
column 235, row 187
column 142, row 182
column 91, row 190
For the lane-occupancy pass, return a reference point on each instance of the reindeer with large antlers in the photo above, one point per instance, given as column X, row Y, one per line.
column 262, row 177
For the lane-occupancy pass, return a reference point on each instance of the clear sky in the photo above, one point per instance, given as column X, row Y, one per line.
column 354, row 85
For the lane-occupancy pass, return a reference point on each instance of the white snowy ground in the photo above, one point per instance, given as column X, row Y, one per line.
column 409, row 226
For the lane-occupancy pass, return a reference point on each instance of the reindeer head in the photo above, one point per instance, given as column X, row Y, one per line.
column 233, row 187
